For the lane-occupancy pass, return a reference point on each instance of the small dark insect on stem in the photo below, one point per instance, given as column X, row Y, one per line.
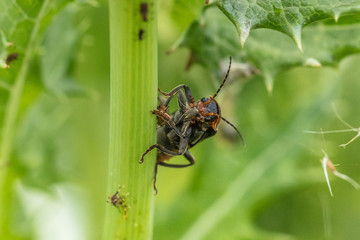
column 144, row 11
column 141, row 34
column 119, row 201
column 11, row 57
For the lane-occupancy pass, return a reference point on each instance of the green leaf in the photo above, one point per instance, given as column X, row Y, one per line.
column 286, row 16
column 61, row 41
column 39, row 146
column 325, row 44
column 21, row 24
column 183, row 12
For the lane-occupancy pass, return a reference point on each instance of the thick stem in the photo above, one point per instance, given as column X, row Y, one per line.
column 133, row 54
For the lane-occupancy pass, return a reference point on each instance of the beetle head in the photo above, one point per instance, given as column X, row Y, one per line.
column 208, row 109
column 209, row 112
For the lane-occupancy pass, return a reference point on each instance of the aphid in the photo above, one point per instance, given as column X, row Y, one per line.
column 141, row 34
column 11, row 57
column 119, row 202
column 190, row 124
column 144, row 11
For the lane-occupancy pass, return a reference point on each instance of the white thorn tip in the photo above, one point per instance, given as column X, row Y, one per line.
column 269, row 83
column 244, row 31
column 299, row 45
column 312, row 62
column 347, row 179
column 296, row 35
column 351, row 140
column 242, row 43
column 324, row 163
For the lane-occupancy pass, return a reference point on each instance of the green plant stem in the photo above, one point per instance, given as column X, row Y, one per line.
column 133, row 92
column 8, row 131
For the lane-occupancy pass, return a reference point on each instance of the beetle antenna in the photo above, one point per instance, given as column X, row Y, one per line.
column 226, row 76
column 242, row 140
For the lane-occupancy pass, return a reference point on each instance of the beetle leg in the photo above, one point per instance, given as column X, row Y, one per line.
column 183, row 148
column 164, row 117
column 181, row 102
column 165, row 150
column 169, row 121
column 173, row 126
column 147, row 151
column 163, row 93
column 155, row 175
column 187, row 155
column 170, row 94
column 161, row 100
column 162, row 149
column 182, row 145
column 182, row 106
column 162, row 111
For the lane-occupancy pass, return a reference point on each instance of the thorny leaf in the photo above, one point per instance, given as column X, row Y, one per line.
column 22, row 22
column 60, row 43
column 17, row 20
column 39, row 146
column 287, row 16
column 212, row 39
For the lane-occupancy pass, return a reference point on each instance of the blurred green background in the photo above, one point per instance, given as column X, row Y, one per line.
column 274, row 188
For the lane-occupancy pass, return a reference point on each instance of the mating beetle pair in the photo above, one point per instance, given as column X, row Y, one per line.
column 190, row 124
